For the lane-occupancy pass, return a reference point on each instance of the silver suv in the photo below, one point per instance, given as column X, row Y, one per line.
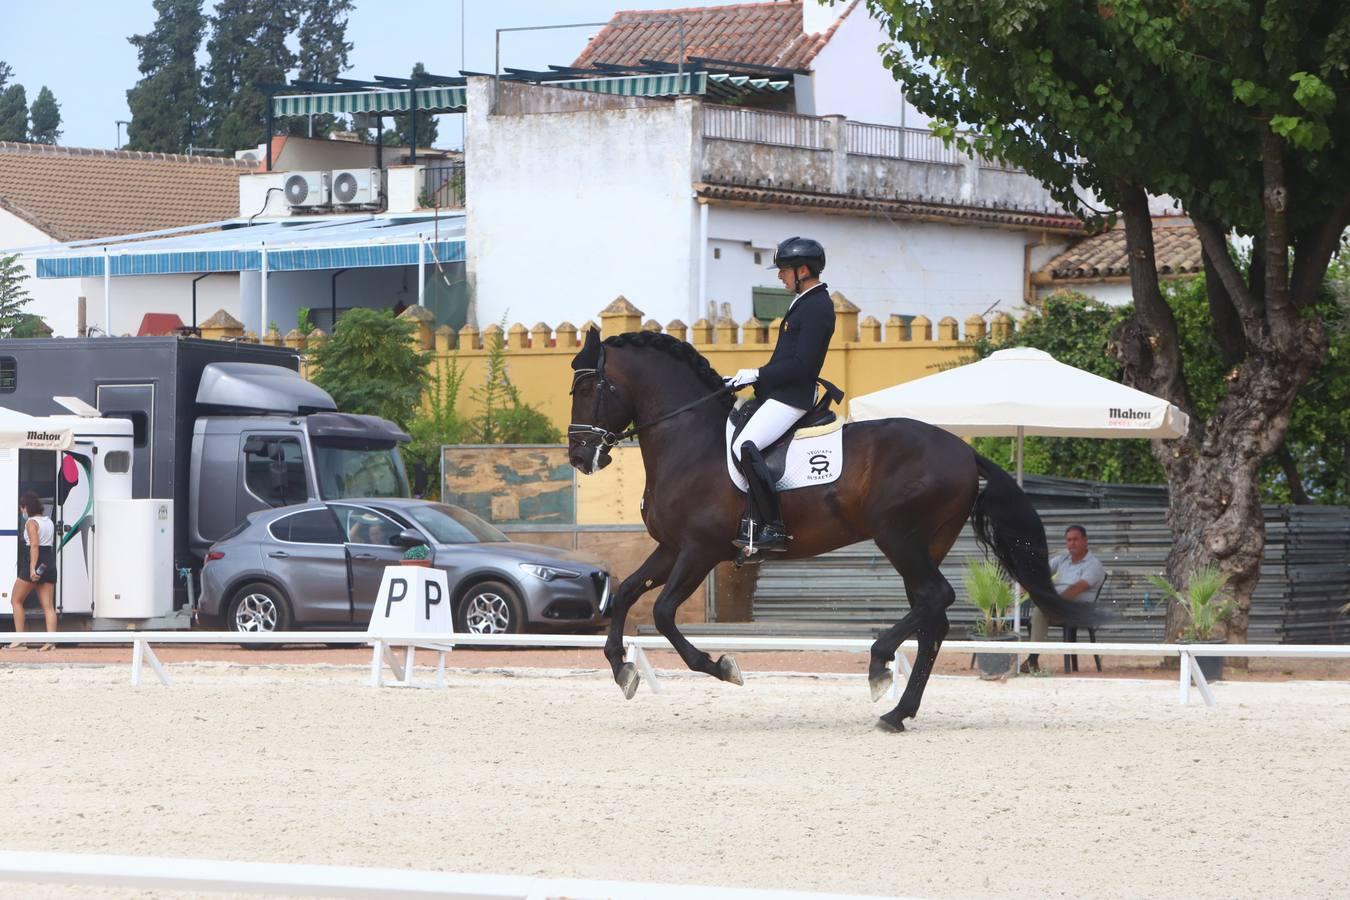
column 319, row 565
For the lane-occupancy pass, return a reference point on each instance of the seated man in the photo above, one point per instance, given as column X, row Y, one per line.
column 1077, row 574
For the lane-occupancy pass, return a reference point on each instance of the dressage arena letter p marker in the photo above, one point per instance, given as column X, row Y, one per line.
column 411, row 600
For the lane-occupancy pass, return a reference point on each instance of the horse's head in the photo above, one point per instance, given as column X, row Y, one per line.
column 599, row 413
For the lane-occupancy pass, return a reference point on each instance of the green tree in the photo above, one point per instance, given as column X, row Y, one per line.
column 323, row 55
column 13, row 295
column 6, row 70
column 1237, row 110
column 505, row 419
column 45, row 118
column 247, row 51
column 427, row 126
column 369, row 366
column 436, row 424
column 14, row 114
column 166, row 103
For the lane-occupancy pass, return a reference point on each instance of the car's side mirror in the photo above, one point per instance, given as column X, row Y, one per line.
column 407, row 538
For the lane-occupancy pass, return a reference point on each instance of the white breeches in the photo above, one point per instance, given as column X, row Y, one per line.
column 767, row 425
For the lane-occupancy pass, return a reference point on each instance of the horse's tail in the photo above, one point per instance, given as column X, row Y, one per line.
column 1006, row 523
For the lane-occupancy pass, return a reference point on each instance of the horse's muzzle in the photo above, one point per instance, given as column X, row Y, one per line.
column 589, row 458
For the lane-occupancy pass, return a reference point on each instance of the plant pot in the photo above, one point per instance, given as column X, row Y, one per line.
column 1210, row 666
column 420, row 563
column 995, row 665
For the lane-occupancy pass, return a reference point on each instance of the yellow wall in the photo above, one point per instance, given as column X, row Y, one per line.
column 864, row 356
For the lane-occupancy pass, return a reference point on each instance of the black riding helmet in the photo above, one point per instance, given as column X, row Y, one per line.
column 800, row 251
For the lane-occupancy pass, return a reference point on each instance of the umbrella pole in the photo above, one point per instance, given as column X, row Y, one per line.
column 1017, row 600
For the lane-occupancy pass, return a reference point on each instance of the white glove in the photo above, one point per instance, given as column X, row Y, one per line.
column 742, row 378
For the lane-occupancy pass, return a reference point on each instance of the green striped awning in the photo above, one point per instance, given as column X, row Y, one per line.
column 452, row 99
column 639, row 85
column 432, row 99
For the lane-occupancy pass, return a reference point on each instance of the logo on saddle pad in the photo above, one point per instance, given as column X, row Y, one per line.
column 815, row 456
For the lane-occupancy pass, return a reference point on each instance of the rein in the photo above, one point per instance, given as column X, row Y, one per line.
column 608, row 438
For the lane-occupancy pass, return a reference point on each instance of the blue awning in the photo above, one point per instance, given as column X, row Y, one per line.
column 294, row 245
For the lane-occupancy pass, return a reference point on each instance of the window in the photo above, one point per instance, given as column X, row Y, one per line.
column 452, row 525
column 313, row 526
column 9, row 374
column 140, row 425
column 365, row 526
column 274, row 469
column 770, row 303
column 357, row 472
column 117, row 461
column 717, row 253
column 759, row 260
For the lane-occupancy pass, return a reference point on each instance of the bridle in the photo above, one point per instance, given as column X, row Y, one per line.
column 604, row 439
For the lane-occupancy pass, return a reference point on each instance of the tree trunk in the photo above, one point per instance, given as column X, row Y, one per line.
column 1214, row 510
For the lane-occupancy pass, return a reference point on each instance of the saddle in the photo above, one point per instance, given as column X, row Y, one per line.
column 809, row 453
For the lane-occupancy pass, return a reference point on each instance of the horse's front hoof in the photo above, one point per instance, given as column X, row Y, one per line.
column 880, row 684
column 890, row 723
column 727, row 670
column 628, row 679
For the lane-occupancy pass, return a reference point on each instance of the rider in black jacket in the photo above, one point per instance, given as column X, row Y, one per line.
column 786, row 384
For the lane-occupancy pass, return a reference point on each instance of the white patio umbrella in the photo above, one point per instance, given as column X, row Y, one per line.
column 25, row 432
column 1023, row 391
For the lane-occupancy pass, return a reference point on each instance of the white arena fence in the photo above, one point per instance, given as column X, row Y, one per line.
column 635, row 648
column 292, row 880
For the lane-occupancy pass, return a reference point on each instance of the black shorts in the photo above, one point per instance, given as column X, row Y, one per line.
column 45, row 555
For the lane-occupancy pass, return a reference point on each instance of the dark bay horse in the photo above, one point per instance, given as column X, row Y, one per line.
column 907, row 485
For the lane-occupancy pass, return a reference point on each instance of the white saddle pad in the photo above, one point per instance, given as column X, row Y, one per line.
column 815, row 456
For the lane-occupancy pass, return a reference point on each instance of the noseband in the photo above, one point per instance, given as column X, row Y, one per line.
column 593, row 437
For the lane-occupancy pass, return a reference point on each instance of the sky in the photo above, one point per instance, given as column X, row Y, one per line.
column 79, row 48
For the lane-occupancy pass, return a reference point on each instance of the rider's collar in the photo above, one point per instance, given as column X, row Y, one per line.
column 818, row 284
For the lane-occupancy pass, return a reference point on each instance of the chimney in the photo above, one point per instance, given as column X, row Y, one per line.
column 819, row 15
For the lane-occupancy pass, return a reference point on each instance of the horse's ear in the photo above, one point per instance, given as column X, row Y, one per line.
column 588, row 357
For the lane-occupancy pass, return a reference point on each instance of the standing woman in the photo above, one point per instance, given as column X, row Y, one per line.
column 37, row 566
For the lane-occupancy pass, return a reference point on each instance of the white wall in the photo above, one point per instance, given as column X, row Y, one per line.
column 849, row 79
column 135, row 295
column 567, row 210
column 378, row 287
column 882, row 266
column 55, row 300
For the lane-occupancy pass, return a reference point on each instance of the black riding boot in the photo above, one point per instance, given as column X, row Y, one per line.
column 762, row 529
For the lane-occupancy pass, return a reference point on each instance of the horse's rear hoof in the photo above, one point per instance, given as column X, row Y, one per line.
column 727, row 670
column 628, row 678
column 890, row 723
column 880, row 685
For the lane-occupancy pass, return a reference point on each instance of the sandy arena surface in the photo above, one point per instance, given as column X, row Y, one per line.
column 1058, row 787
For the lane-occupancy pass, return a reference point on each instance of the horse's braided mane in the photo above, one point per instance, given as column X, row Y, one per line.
column 680, row 350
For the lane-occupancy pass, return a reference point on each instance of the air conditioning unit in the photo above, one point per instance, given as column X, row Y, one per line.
column 253, row 154
column 353, row 187
column 307, row 188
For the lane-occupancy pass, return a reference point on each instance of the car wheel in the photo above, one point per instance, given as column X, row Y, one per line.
column 490, row 607
column 258, row 608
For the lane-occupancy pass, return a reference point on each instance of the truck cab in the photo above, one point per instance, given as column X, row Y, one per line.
column 265, row 437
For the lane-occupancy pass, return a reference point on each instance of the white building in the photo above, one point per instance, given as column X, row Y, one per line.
column 678, row 204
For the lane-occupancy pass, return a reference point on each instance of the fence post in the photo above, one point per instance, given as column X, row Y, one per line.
column 620, row 317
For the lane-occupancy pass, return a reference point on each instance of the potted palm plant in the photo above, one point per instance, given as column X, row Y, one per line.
column 992, row 594
column 1205, row 606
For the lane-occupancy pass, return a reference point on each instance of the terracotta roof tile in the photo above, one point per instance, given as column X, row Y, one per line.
column 1175, row 243
column 159, row 325
column 764, row 34
column 923, row 210
column 73, row 194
